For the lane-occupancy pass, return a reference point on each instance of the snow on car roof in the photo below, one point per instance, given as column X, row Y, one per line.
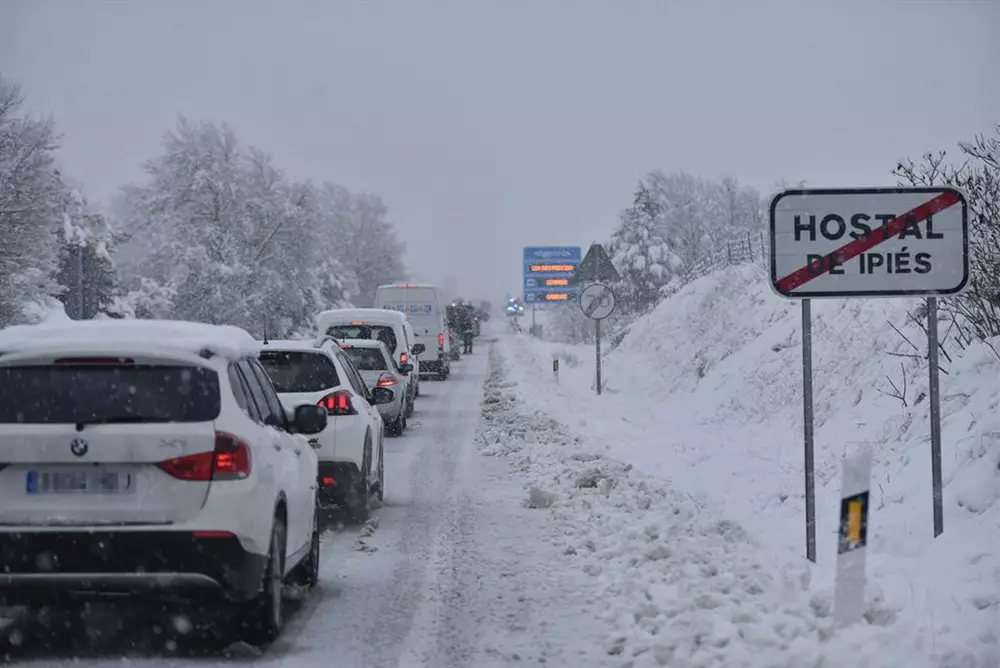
column 224, row 340
column 289, row 344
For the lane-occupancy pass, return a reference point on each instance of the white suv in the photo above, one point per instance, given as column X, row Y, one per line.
column 153, row 457
column 350, row 448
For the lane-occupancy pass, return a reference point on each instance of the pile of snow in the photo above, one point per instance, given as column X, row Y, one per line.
column 707, row 401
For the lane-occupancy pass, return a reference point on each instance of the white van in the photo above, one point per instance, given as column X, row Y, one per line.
column 424, row 308
column 381, row 325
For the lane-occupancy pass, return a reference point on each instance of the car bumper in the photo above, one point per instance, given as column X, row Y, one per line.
column 40, row 566
column 431, row 366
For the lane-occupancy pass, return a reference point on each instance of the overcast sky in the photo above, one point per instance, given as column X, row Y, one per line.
column 487, row 126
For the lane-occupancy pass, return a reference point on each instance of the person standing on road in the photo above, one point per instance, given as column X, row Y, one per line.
column 467, row 336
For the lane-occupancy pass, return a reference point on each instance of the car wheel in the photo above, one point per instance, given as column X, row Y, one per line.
column 267, row 613
column 310, row 565
column 381, row 472
column 359, row 497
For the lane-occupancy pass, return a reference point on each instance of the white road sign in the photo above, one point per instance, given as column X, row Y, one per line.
column 597, row 301
column 869, row 242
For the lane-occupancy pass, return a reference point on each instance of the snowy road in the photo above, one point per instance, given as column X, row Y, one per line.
column 457, row 572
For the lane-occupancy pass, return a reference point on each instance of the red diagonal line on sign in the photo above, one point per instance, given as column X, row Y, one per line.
column 879, row 234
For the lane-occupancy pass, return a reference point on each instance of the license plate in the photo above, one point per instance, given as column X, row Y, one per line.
column 78, row 482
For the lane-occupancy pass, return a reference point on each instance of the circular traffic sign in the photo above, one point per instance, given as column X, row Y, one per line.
column 597, row 301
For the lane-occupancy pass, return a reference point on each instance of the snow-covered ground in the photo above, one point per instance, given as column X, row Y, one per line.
column 452, row 571
column 681, row 487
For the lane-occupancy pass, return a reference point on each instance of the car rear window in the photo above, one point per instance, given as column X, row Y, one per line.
column 367, row 359
column 381, row 333
column 98, row 393
column 299, row 370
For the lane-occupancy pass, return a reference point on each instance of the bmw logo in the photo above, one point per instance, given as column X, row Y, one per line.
column 79, row 447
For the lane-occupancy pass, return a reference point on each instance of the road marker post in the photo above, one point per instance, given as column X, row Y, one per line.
column 597, row 301
column 852, row 539
column 555, row 368
column 869, row 242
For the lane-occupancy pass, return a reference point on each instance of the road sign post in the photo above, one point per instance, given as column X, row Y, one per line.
column 870, row 242
column 807, row 429
column 597, row 301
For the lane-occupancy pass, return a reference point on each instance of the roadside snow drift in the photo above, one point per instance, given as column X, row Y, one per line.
column 704, row 398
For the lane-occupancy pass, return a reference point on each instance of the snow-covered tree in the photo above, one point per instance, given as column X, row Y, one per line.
column 641, row 253
column 87, row 273
column 31, row 195
column 364, row 242
column 218, row 233
column 975, row 312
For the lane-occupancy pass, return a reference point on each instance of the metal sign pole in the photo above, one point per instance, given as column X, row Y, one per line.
column 597, row 331
column 935, row 397
column 807, row 429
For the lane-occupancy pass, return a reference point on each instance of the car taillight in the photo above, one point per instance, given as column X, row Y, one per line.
column 338, row 403
column 402, row 358
column 441, row 339
column 232, row 458
column 229, row 461
column 386, row 380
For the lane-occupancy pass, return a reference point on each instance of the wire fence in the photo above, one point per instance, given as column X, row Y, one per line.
column 749, row 248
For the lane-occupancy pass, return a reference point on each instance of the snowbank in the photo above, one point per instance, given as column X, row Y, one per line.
column 705, row 395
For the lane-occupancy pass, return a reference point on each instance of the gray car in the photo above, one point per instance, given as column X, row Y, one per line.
column 378, row 369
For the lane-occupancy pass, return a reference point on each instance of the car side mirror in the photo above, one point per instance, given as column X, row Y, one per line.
column 418, row 348
column 406, row 368
column 310, row 419
column 382, row 395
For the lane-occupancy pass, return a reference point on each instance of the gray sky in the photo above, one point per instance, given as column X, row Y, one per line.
column 487, row 126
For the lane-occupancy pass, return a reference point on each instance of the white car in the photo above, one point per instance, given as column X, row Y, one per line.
column 350, row 448
column 389, row 327
column 152, row 457
column 379, row 369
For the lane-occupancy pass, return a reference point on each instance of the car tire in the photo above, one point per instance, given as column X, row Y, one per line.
column 381, row 473
column 358, row 499
column 310, row 565
column 267, row 611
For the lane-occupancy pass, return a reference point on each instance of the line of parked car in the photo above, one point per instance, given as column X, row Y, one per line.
column 190, row 462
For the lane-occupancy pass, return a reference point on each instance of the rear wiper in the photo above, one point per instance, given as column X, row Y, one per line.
column 118, row 419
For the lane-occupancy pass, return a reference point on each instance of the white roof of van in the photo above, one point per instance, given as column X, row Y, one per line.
column 134, row 334
column 326, row 318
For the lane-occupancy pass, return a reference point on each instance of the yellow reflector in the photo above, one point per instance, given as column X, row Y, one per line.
column 854, row 522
